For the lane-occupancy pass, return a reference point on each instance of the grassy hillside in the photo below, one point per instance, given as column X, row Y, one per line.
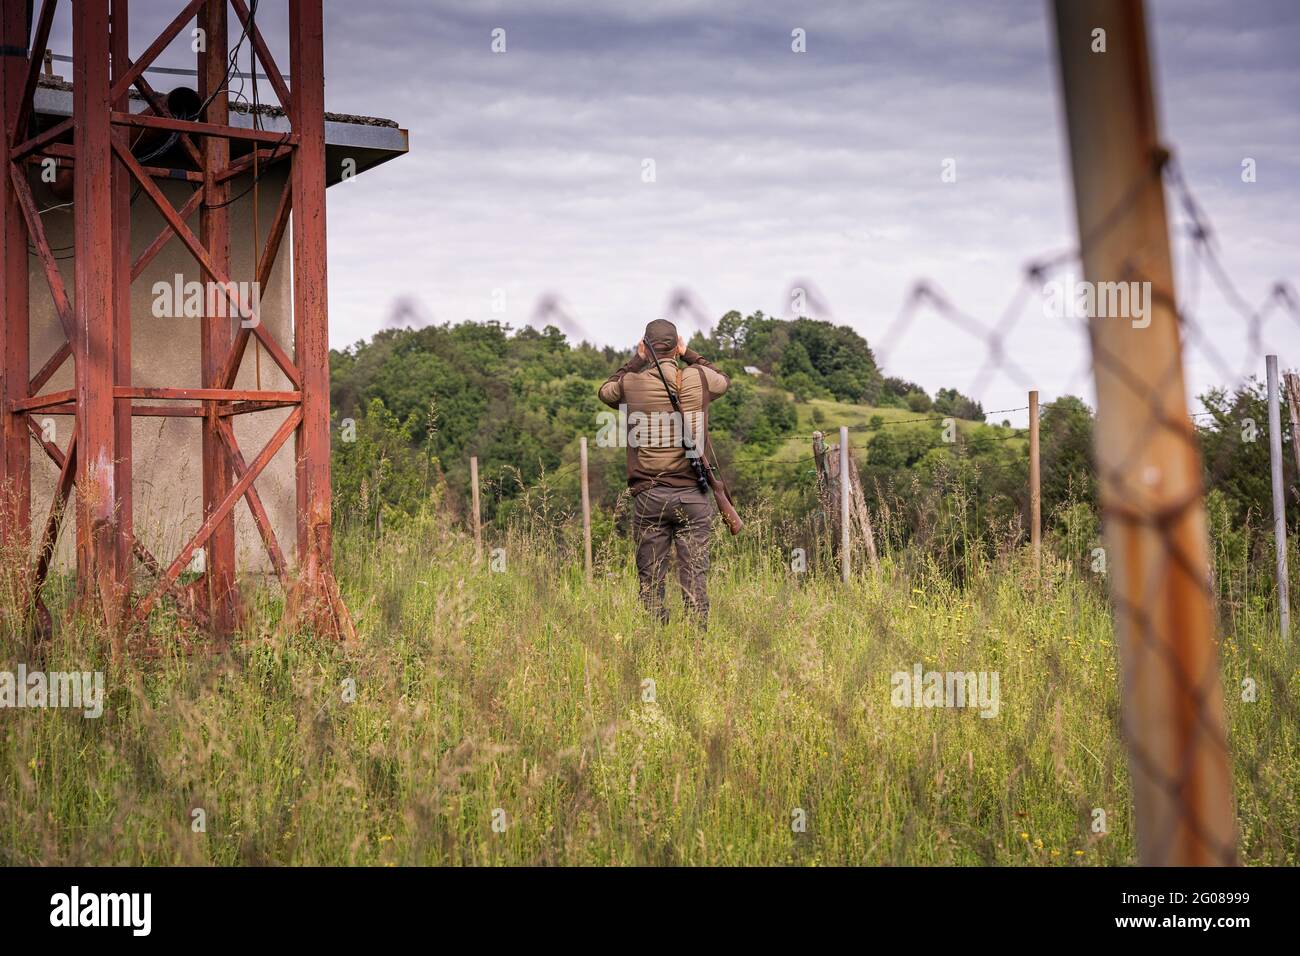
column 554, row 709
column 827, row 415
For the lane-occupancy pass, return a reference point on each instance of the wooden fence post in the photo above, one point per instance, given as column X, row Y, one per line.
column 1148, row 460
column 1279, row 495
column 1293, row 406
column 586, row 509
column 844, row 503
column 1035, row 487
column 823, row 523
column 838, row 480
column 478, row 527
column 864, row 517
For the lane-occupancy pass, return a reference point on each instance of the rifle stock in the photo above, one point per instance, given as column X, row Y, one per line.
column 728, row 512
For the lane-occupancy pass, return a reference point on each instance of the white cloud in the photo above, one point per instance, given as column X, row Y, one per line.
column 524, row 171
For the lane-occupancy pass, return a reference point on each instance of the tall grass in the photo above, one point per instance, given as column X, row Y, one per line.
column 522, row 716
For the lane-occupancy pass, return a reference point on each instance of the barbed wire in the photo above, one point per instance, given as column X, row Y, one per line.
column 1194, row 237
column 1191, row 691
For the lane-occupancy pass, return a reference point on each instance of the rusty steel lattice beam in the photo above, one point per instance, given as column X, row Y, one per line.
column 119, row 51
column 102, row 577
column 15, row 457
column 310, row 307
column 214, row 231
column 96, row 145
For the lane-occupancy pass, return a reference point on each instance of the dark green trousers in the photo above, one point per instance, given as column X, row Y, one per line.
column 663, row 520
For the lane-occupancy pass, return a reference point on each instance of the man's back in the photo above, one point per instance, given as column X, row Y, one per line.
column 656, row 454
column 671, row 511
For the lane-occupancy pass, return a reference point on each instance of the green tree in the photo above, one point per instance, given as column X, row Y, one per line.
column 1066, row 456
column 949, row 401
column 1234, row 444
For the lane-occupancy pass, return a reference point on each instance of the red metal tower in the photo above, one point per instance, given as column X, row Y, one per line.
column 95, row 142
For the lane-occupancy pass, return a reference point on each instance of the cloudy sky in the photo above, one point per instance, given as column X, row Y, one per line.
column 774, row 169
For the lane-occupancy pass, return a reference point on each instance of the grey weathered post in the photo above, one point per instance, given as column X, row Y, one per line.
column 1279, row 496
column 1035, row 486
column 864, row 518
column 844, row 503
column 1293, row 406
column 478, row 527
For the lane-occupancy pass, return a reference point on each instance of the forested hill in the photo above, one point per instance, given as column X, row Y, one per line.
column 522, row 395
column 411, row 405
column 815, row 359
